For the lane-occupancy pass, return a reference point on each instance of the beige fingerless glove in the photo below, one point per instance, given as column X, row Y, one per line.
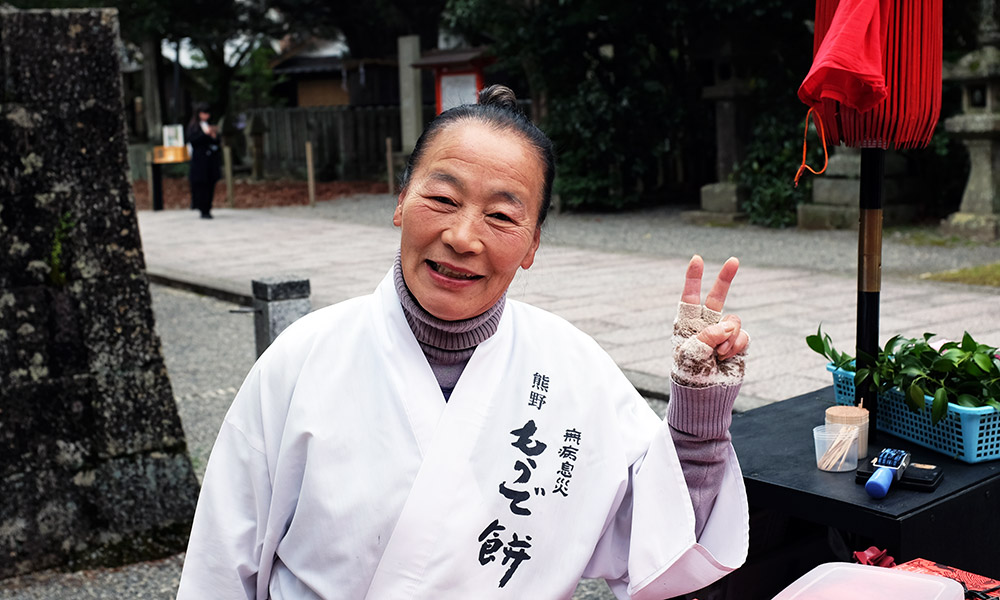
column 695, row 363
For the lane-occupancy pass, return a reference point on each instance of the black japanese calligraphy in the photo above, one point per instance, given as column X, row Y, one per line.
column 569, row 454
column 516, row 498
column 514, row 551
column 493, row 544
column 540, row 382
column 530, row 448
column 524, row 469
column 524, row 443
column 561, row 486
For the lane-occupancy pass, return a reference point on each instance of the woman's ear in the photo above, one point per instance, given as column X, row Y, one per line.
column 529, row 258
column 397, row 216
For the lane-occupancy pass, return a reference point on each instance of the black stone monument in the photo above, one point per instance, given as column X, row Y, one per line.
column 93, row 462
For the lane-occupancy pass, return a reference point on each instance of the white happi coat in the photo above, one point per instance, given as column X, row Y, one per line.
column 341, row 472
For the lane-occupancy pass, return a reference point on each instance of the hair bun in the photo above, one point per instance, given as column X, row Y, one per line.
column 499, row 96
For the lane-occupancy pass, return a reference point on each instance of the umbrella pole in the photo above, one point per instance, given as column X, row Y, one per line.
column 870, row 273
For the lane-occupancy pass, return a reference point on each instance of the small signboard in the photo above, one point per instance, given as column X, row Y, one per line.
column 458, row 75
column 173, row 135
column 458, row 89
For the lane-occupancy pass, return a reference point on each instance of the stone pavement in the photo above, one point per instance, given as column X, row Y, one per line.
column 621, row 289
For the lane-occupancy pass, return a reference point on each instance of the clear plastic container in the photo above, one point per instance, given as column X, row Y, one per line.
column 836, row 448
column 846, row 581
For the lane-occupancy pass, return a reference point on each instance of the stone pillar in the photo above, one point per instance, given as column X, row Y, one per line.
column 277, row 302
column 151, row 91
column 720, row 201
column 93, row 462
column 410, row 96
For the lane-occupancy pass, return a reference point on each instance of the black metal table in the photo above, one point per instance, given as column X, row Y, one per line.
column 957, row 524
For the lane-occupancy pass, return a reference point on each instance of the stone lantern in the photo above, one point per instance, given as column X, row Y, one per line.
column 720, row 201
column 978, row 126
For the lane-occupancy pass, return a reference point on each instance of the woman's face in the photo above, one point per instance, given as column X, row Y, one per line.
column 469, row 219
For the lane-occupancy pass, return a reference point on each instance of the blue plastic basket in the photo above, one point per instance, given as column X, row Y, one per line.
column 969, row 434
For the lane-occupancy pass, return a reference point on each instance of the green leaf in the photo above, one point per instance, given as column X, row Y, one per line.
column 993, row 403
column 943, row 365
column 816, row 343
column 940, row 408
column 954, row 355
column 973, row 371
column 915, row 397
column 912, row 371
column 967, row 400
column 982, row 361
column 968, row 344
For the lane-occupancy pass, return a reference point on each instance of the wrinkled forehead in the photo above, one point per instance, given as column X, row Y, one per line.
column 496, row 151
column 481, row 137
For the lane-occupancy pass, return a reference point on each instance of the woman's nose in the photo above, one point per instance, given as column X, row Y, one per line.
column 463, row 236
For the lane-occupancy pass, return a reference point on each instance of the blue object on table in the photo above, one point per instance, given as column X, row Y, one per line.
column 889, row 466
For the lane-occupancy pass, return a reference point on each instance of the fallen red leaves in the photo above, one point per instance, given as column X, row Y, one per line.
column 254, row 194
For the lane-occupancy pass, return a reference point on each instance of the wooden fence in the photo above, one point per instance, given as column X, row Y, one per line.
column 348, row 142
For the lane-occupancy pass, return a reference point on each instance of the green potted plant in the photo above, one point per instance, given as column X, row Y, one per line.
column 957, row 383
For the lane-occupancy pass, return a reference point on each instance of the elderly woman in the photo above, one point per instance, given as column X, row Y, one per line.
column 436, row 440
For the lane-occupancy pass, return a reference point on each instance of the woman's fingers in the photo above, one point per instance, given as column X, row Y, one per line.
column 692, row 281
column 718, row 334
column 717, row 296
column 726, row 337
column 742, row 341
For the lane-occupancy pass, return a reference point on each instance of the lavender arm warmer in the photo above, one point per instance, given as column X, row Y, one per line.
column 702, row 392
column 699, row 420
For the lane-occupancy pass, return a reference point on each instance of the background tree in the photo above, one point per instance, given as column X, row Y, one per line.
column 619, row 85
column 369, row 28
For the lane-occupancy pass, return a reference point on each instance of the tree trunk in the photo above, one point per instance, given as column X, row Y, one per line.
column 152, row 109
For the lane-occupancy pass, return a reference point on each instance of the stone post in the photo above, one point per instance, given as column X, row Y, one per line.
column 93, row 462
column 410, row 93
column 277, row 303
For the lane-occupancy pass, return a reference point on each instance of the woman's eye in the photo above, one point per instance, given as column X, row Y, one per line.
column 442, row 199
column 502, row 217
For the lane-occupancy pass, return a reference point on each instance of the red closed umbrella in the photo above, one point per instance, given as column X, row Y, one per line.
column 875, row 81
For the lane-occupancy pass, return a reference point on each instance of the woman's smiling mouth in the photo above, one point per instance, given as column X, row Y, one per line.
column 443, row 270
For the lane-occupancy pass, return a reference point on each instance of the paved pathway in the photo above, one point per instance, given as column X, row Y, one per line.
column 621, row 289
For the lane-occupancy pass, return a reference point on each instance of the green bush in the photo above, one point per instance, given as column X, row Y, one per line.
column 767, row 174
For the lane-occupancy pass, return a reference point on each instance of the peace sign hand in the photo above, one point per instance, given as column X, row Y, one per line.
column 709, row 349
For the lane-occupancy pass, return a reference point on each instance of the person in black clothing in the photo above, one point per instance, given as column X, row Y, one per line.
column 205, row 159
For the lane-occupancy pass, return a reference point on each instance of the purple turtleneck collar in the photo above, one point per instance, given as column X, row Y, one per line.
column 448, row 345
